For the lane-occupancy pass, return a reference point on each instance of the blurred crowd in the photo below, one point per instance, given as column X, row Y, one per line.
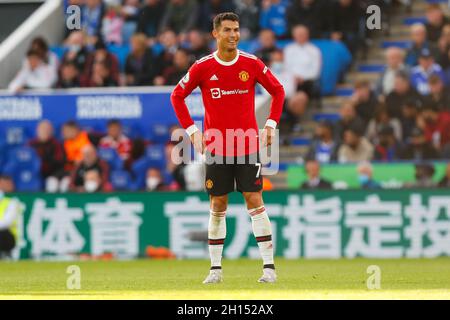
column 76, row 162
column 166, row 37
column 405, row 115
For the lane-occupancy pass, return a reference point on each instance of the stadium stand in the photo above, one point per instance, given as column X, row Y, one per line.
column 101, row 56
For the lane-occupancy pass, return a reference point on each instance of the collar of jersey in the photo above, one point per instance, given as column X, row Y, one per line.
column 226, row 63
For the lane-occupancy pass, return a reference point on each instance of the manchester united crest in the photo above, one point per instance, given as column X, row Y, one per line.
column 209, row 184
column 244, row 76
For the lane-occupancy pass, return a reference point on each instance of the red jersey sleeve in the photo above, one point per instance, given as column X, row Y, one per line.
column 186, row 85
column 266, row 78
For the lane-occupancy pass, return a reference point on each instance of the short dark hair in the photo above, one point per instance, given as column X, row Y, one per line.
column 100, row 45
column 184, row 50
column 357, row 129
column 33, row 52
column 72, row 124
column 6, row 177
column 429, row 108
column 114, row 122
column 411, row 103
column 326, row 124
column 312, row 159
column 40, row 43
column 217, row 22
column 69, row 63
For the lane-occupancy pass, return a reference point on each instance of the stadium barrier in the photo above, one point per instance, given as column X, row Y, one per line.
column 138, row 108
column 345, row 175
column 335, row 224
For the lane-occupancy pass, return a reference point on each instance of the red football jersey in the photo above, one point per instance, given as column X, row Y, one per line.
column 228, row 93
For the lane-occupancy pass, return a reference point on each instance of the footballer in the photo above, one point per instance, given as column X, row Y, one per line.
column 227, row 80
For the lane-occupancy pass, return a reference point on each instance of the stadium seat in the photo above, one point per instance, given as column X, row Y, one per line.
column 23, row 165
column 121, row 180
column 27, row 180
column 24, row 158
column 111, row 157
column 332, row 117
column 299, row 141
column 282, row 166
column 14, row 135
column 3, row 159
column 8, row 169
column 344, row 92
column 366, row 68
column 132, row 131
column 139, row 169
column 159, row 133
column 155, row 155
column 413, row 20
column 400, row 44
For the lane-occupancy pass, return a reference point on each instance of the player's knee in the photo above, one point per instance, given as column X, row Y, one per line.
column 219, row 203
column 253, row 199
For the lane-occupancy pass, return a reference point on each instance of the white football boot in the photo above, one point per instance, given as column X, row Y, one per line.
column 269, row 276
column 214, row 276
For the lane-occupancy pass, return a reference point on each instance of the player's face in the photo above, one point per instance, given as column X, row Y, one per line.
column 227, row 35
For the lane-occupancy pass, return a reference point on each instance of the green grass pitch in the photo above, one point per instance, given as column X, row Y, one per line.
column 181, row 279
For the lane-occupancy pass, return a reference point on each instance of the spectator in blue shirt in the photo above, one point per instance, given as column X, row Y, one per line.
column 419, row 42
column 426, row 68
column 273, row 16
column 91, row 19
column 323, row 148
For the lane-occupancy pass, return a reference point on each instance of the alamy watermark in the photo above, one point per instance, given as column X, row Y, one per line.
column 373, row 21
column 74, row 279
column 73, row 17
column 374, row 280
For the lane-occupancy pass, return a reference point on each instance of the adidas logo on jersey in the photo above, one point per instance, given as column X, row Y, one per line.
column 214, row 77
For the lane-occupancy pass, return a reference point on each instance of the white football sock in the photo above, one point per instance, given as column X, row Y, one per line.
column 262, row 230
column 217, row 231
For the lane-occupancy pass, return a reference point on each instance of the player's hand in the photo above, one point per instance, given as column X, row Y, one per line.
column 198, row 141
column 267, row 135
